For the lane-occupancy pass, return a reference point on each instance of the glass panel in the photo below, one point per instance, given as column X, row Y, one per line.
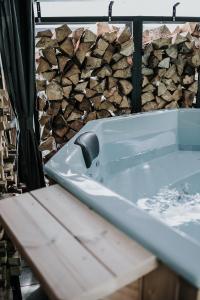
column 170, row 65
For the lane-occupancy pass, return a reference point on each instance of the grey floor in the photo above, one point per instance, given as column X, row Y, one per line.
column 30, row 286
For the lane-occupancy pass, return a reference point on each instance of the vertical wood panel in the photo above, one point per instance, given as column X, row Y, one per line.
column 161, row 284
column 187, row 291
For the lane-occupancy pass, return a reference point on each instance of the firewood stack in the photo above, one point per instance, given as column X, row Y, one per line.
column 81, row 76
column 170, row 67
column 8, row 180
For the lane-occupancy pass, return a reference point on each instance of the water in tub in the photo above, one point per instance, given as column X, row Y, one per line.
column 164, row 182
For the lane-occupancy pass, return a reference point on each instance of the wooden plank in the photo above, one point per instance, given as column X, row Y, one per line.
column 125, row 258
column 129, row 292
column 187, row 291
column 64, row 267
column 162, row 283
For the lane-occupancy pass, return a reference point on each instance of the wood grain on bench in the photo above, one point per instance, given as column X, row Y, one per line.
column 75, row 253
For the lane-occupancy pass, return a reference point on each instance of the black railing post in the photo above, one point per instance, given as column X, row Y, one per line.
column 137, row 66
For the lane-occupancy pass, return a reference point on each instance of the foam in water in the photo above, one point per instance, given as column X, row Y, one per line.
column 172, row 206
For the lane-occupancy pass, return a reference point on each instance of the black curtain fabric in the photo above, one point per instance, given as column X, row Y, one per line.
column 18, row 57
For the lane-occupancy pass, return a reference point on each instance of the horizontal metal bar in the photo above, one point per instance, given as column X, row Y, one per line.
column 82, row 19
column 91, row 19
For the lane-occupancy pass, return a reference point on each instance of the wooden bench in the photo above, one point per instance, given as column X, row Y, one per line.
column 76, row 254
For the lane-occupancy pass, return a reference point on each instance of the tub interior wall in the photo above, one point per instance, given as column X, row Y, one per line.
column 189, row 130
column 140, row 157
column 133, row 137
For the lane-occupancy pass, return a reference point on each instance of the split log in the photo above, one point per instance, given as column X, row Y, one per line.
column 77, row 34
column 93, row 62
column 188, row 98
column 127, row 48
column 50, row 75
column 82, row 50
column 161, row 88
column 80, row 87
column 148, row 88
column 79, row 97
column 89, row 93
column 177, row 94
column 121, row 64
column 178, row 39
column 74, row 70
column 167, row 96
column 54, row 108
column 44, row 33
column 170, row 72
column 85, row 105
column 116, row 57
column 40, row 85
column 101, row 47
column 50, row 55
column 111, row 82
column 147, row 71
column 54, row 91
column 147, row 97
column 65, row 81
column 125, row 35
column 76, row 125
column 188, row 80
column 125, row 73
column 172, row 105
column 104, row 71
column 103, row 114
column 68, row 111
column 115, row 98
column 62, row 32
column 126, row 86
column 41, row 103
column 67, row 47
column 150, row 106
column 158, row 54
column 110, row 37
column 86, row 73
column 161, row 103
column 46, row 42
column 43, row 66
column 145, row 81
column 67, row 90
column 100, row 88
column 162, row 43
column 108, row 55
column 172, row 51
column 75, row 115
column 48, row 144
column 89, row 36
column 91, row 116
column 193, row 87
column 164, row 63
column 125, row 103
column 44, row 119
column 96, row 101
column 62, row 62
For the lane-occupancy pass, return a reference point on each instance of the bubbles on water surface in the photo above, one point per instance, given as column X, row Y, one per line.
column 172, row 206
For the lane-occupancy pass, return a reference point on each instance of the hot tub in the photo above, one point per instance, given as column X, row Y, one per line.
column 142, row 173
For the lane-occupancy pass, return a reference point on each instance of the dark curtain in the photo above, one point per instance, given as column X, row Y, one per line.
column 18, row 57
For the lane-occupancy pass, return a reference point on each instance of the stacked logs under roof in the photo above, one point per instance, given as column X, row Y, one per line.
column 170, row 67
column 81, row 76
